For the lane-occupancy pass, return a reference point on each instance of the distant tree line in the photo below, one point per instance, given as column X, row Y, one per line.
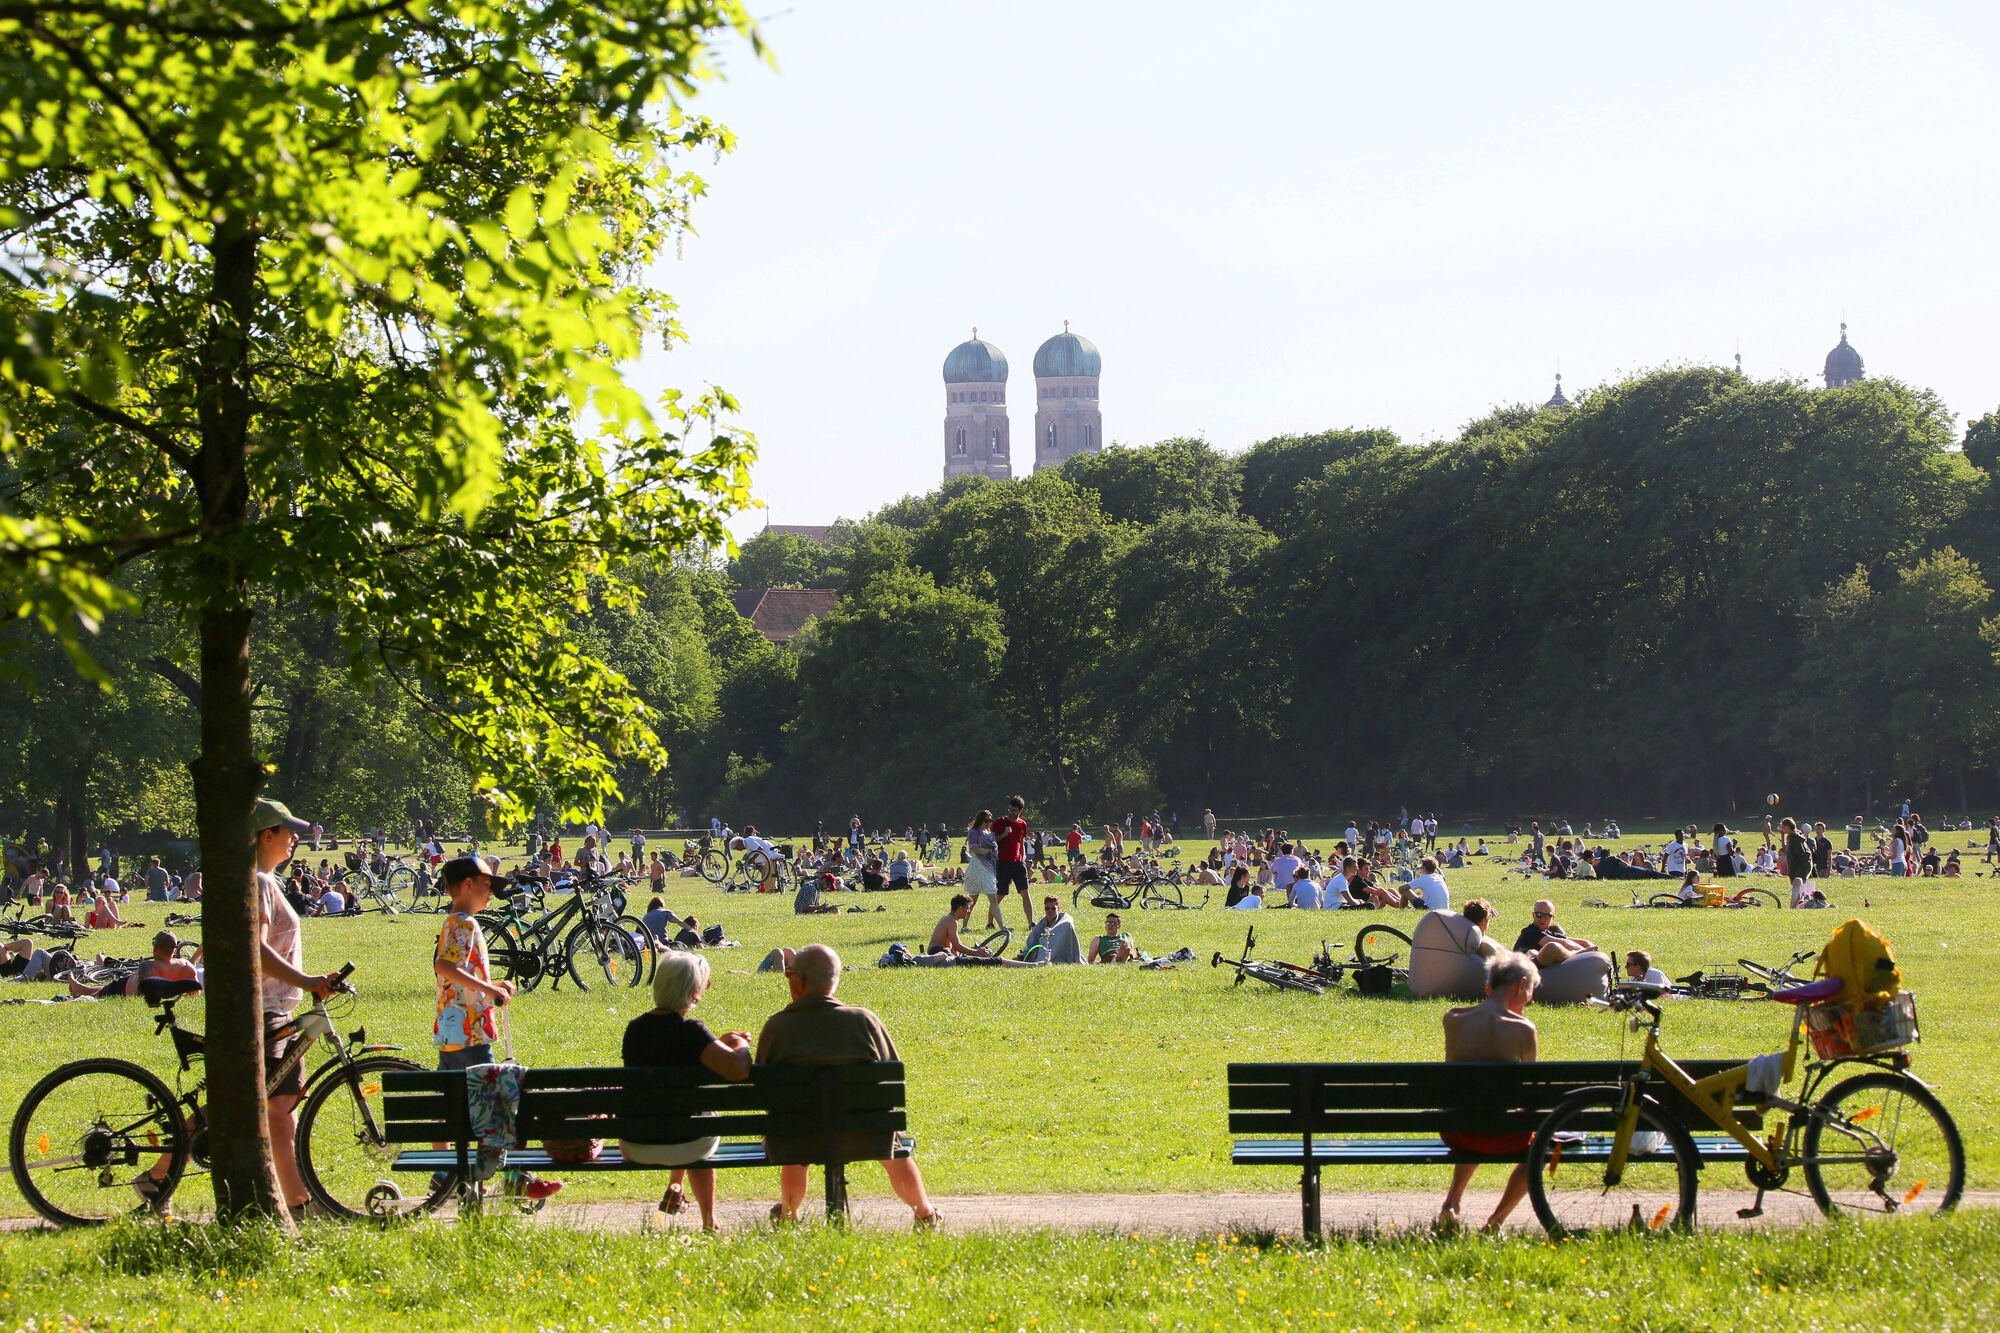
column 1687, row 590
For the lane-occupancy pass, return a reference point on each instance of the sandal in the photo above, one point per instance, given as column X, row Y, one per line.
column 673, row 1200
column 778, row 1218
column 929, row 1221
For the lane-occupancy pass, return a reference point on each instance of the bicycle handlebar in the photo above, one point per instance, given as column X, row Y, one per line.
column 340, row 979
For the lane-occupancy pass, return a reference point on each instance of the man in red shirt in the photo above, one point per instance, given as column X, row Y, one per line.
column 1010, row 866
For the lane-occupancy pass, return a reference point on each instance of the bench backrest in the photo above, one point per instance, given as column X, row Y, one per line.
column 1427, row 1097
column 662, row 1105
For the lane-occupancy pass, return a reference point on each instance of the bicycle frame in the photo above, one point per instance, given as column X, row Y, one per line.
column 1715, row 1097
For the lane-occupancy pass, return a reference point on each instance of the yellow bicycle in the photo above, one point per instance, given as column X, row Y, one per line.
column 1877, row 1144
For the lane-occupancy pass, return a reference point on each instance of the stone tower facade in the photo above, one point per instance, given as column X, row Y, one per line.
column 976, row 442
column 1068, row 420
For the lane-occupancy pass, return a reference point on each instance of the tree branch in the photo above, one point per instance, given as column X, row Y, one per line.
column 145, row 430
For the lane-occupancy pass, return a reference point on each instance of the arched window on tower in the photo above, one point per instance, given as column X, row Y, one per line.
column 958, row 446
column 1052, row 437
column 993, row 444
column 1088, row 438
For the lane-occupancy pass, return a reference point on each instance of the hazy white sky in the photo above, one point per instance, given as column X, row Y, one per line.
column 1325, row 215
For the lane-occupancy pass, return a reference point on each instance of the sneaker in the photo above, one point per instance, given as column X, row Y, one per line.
column 526, row 1185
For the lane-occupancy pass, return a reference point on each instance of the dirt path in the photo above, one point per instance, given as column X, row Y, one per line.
column 1144, row 1214
column 1171, row 1214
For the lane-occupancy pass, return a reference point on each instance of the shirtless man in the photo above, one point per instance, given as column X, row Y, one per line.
column 946, row 949
column 944, row 936
column 160, row 977
column 1493, row 1029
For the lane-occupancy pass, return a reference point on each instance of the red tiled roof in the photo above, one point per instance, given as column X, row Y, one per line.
column 779, row 613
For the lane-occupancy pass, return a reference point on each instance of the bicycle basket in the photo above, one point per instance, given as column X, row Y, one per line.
column 353, row 860
column 1843, row 1029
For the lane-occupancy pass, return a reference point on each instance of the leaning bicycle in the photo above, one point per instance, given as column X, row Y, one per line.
column 1874, row 1143
column 102, row 1138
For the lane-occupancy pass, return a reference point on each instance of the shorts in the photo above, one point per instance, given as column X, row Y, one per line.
column 1491, row 1145
column 1011, row 872
column 465, row 1057
column 685, row 1153
column 275, row 1051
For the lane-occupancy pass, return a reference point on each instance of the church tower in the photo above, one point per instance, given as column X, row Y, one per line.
column 1067, row 422
column 975, row 412
column 1843, row 363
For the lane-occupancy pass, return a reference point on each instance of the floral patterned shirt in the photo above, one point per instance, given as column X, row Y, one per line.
column 464, row 1015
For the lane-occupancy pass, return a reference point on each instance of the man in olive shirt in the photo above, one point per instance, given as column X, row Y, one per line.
column 816, row 1029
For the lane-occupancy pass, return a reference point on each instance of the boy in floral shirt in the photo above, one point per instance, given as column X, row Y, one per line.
column 467, row 995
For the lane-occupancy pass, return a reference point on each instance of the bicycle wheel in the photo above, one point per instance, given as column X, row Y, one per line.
column 343, row 1157
column 1568, row 1179
column 399, row 886
column 1664, row 900
column 1380, row 944
column 508, row 958
column 358, row 887
column 1758, row 898
column 605, row 952
column 642, row 939
column 998, row 942
column 1161, row 893
column 1882, row 1145
column 90, row 1135
column 715, row 865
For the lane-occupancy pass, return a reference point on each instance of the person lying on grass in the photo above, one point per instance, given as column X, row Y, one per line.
column 1114, row 945
column 160, row 977
column 1493, row 1029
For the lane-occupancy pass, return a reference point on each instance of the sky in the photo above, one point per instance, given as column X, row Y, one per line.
column 1298, row 217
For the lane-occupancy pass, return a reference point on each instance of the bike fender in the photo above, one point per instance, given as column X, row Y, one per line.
column 378, row 1046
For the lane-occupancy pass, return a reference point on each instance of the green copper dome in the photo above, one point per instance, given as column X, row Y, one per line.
column 975, row 362
column 1067, row 354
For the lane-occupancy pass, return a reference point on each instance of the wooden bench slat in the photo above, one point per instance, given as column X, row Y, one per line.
column 1421, row 1152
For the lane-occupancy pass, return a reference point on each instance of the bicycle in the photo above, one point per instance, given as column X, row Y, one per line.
column 1284, row 976
column 101, row 1138
column 523, row 947
column 714, row 863
column 1876, row 1144
column 364, row 891
column 1146, row 892
column 1710, row 896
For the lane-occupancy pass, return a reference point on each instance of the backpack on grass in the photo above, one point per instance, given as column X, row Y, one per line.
column 1858, row 957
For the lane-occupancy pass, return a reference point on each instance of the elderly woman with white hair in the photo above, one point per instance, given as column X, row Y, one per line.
column 665, row 1036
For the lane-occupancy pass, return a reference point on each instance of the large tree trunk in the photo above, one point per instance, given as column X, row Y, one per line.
column 79, row 841
column 227, row 775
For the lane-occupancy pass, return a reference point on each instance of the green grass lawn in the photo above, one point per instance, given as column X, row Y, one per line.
column 501, row 1276
column 1112, row 1079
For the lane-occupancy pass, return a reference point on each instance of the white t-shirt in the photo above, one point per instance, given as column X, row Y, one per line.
column 1283, row 868
column 1431, row 888
column 1677, row 857
column 1249, row 902
column 332, row 902
column 281, row 932
column 1353, row 835
column 1336, row 889
column 1655, row 977
column 1306, row 894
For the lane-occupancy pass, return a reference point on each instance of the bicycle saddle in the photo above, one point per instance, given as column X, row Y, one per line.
column 1810, row 993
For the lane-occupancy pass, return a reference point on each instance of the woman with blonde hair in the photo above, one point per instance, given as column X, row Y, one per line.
column 666, row 1037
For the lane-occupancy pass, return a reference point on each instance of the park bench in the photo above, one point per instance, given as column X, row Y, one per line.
column 816, row 1104
column 1319, row 1115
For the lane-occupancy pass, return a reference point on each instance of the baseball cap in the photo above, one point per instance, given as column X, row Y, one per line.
column 274, row 814
column 461, row 868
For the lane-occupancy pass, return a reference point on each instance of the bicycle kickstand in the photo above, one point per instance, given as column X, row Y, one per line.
column 1754, row 1210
